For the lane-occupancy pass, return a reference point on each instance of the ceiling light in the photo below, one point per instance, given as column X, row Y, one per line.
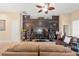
column 45, row 7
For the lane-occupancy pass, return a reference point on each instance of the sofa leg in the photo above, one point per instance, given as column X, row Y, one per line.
column 38, row 51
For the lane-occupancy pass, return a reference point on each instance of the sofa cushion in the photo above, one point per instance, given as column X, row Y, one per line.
column 67, row 49
column 57, row 54
column 20, row 54
column 24, row 47
column 53, row 48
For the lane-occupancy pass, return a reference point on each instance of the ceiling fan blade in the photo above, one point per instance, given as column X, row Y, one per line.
column 39, row 11
column 51, row 8
column 39, row 6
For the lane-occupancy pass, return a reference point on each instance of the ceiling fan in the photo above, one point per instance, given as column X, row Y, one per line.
column 45, row 7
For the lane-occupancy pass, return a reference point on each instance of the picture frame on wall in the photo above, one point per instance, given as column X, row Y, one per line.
column 2, row 25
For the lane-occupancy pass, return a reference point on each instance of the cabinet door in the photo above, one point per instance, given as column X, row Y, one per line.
column 55, row 22
column 26, row 18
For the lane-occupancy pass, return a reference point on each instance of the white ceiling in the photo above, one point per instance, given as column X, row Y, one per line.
column 30, row 8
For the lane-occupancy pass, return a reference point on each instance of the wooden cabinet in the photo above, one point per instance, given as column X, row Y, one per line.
column 52, row 25
column 55, row 23
column 26, row 18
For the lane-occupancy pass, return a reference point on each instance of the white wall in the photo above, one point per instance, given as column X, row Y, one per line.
column 13, row 24
column 64, row 20
column 74, row 17
column 67, row 19
column 6, row 36
column 75, row 28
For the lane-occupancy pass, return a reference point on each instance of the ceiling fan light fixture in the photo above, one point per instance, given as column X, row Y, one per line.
column 45, row 7
column 46, row 12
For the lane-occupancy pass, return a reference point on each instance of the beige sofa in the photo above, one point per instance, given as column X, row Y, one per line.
column 38, row 49
column 55, row 50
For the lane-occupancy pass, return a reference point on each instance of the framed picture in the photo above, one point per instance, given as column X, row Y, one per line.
column 2, row 25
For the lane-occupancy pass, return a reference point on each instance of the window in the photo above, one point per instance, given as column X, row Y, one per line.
column 75, row 28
